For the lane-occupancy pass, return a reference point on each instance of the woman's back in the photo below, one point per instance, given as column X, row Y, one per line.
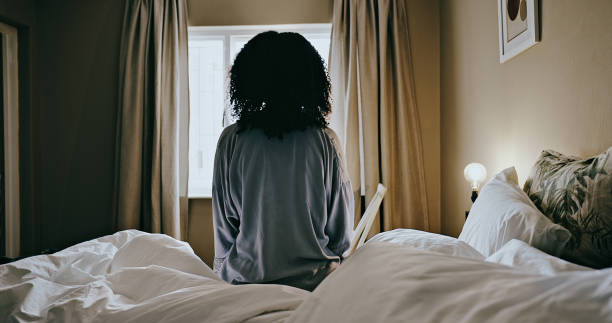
column 282, row 202
column 283, row 207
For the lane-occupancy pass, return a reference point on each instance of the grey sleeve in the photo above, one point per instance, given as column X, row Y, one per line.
column 340, row 217
column 225, row 221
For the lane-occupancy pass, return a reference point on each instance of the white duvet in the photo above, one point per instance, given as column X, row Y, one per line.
column 405, row 276
column 133, row 276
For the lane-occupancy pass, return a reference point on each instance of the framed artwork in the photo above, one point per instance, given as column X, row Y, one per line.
column 518, row 27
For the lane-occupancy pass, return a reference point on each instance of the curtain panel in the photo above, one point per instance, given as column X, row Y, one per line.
column 152, row 128
column 375, row 110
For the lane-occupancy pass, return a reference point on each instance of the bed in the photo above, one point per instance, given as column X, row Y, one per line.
column 506, row 266
column 399, row 276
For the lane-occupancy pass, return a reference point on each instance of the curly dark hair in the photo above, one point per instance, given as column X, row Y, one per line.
column 279, row 83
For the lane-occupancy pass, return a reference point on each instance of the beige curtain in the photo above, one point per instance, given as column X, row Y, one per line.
column 152, row 147
column 375, row 111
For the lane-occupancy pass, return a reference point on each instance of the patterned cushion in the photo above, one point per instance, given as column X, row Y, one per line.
column 577, row 194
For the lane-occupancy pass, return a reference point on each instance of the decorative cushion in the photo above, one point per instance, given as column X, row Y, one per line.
column 503, row 212
column 577, row 193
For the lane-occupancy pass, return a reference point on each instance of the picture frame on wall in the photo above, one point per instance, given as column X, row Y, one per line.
column 518, row 27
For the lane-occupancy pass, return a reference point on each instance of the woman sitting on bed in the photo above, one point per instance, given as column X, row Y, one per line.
column 282, row 200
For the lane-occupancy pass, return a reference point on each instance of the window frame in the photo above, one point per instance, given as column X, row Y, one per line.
column 226, row 33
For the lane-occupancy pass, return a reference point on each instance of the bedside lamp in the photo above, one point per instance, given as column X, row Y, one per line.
column 475, row 173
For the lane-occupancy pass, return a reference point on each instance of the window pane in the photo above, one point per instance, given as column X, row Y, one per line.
column 206, row 95
column 236, row 44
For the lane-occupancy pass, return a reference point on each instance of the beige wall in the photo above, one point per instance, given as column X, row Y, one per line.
column 555, row 95
column 424, row 35
column 260, row 12
column 201, row 230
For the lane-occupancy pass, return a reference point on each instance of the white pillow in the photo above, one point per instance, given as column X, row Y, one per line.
column 428, row 241
column 503, row 212
column 522, row 256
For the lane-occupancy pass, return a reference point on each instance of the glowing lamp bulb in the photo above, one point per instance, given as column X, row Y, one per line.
column 475, row 173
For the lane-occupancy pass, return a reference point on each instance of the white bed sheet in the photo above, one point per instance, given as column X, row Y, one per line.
column 133, row 276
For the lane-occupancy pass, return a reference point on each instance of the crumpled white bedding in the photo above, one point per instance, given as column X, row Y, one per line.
column 133, row 276
column 429, row 241
column 385, row 282
column 521, row 256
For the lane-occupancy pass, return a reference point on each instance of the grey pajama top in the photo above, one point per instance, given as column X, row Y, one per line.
column 282, row 208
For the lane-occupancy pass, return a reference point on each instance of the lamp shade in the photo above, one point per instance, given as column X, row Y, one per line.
column 475, row 173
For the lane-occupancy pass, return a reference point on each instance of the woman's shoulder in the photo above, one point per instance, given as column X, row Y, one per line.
column 331, row 134
column 336, row 143
column 228, row 132
column 227, row 138
column 333, row 138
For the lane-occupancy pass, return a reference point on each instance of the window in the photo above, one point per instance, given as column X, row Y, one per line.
column 211, row 53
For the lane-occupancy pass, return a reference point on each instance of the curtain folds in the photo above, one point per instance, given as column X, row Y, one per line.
column 375, row 112
column 152, row 128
